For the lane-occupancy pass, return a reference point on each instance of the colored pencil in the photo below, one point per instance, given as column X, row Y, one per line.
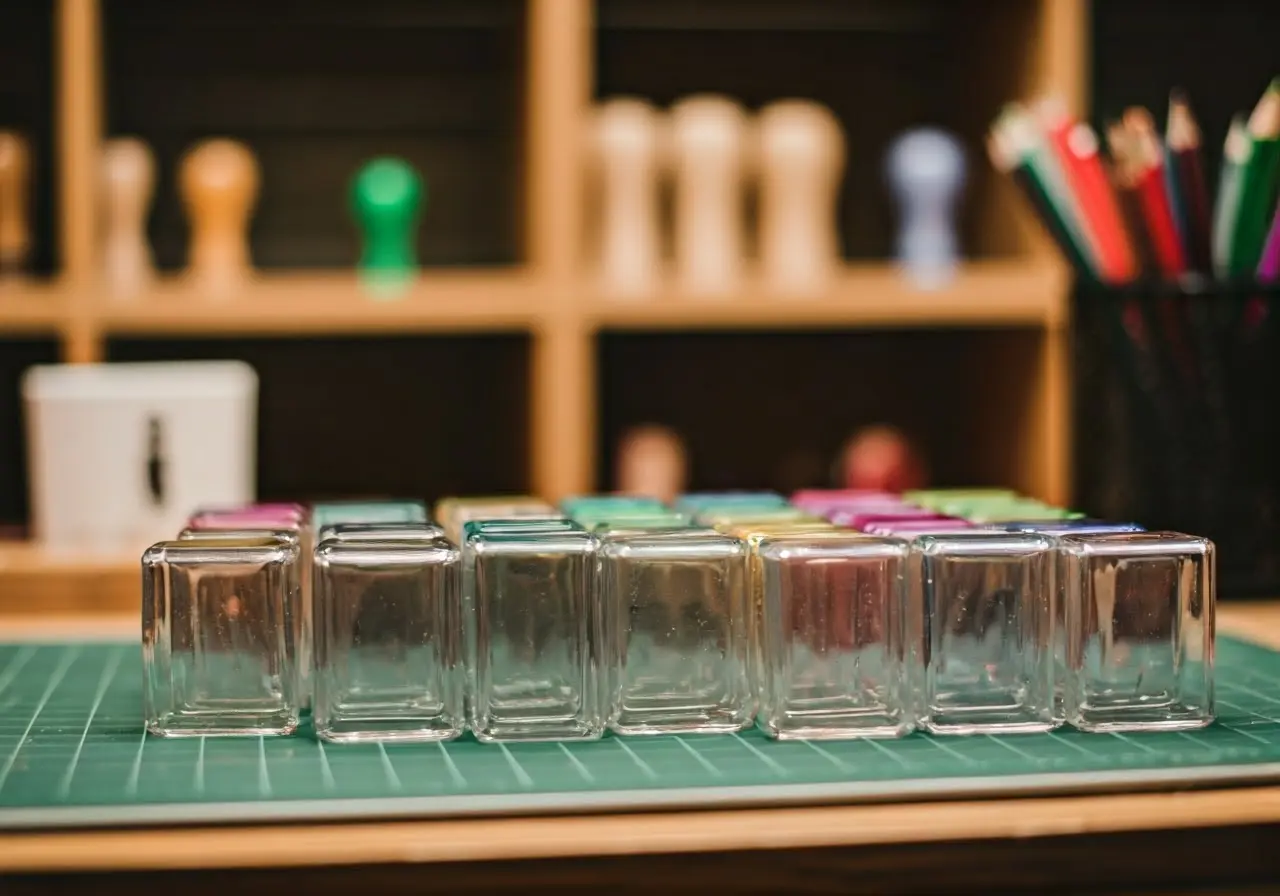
column 1014, row 148
column 1269, row 265
column 1123, row 155
column 1148, row 160
column 1226, row 211
column 1258, row 183
column 1182, row 137
column 1076, row 146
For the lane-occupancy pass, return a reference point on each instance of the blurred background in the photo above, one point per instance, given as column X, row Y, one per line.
column 479, row 247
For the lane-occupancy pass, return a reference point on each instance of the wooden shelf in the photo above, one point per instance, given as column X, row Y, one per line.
column 1013, row 293
column 329, row 302
column 32, row 307
column 989, row 293
column 35, row 581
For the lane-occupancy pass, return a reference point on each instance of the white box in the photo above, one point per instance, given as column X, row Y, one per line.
column 120, row 454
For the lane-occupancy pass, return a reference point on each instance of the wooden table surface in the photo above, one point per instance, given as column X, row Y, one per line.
column 1171, row 829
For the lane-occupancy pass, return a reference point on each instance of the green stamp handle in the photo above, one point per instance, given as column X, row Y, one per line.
column 387, row 198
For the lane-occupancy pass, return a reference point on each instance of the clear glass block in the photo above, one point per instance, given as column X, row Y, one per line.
column 445, row 508
column 379, row 532
column 752, row 536
column 533, row 635
column 388, row 628
column 693, row 502
column 1071, row 527
column 834, row 628
column 218, row 636
column 611, row 504
column 513, row 526
column 678, row 630
column 719, row 517
column 455, row 524
column 249, row 516
column 190, row 534
column 988, row 601
column 665, row 520
column 1140, row 629
column 218, row 524
column 332, row 512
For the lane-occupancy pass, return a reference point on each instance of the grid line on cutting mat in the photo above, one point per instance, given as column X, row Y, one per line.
column 72, row 748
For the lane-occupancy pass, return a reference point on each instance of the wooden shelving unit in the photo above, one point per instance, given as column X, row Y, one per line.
column 551, row 294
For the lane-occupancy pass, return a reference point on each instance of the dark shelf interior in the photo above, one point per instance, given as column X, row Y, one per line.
column 16, row 355
column 403, row 417
column 881, row 67
column 316, row 89
column 26, row 106
column 773, row 410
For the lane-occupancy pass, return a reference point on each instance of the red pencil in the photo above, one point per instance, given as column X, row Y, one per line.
column 1077, row 148
column 1182, row 136
column 1124, row 168
column 1153, row 192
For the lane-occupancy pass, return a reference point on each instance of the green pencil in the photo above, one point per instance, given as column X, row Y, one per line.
column 1226, row 209
column 1258, row 182
column 1008, row 158
column 1022, row 138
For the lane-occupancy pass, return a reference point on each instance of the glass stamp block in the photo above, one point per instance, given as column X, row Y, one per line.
column 1140, row 631
column 861, row 519
column 693, row 502
column 241, row 524
column 611, row 504
column 218, row 636
column 463, row 516
column 332, row 512
column 380, row 532
column 388, row 640
column 290, row 535
column 729, row 516
column 249, row 516
column 988, row 600
column 659, row 520
column 514, row 526
column 454, row 513
column 1078, row 527
column 677, row 628
column 752, row 536
column 834, row 627
column 533, row 635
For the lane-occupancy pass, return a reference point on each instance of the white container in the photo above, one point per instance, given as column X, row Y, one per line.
column 120, row 454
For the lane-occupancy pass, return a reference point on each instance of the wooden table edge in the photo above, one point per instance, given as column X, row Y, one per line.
column 496, row 839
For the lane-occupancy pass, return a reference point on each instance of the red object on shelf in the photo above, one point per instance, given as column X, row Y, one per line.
column 881, row 458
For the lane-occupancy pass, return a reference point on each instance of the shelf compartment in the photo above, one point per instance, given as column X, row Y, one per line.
column 774, row 410
column 27, row 106
column 881, row 67
column 404, row 416
column 316, row 90
column 16, row 355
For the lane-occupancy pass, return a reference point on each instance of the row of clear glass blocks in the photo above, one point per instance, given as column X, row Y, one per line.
column 522, row 621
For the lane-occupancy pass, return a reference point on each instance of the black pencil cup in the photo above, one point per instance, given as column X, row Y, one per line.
column 1176, row 407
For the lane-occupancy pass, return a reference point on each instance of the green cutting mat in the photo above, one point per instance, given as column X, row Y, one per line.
column 73, row 752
